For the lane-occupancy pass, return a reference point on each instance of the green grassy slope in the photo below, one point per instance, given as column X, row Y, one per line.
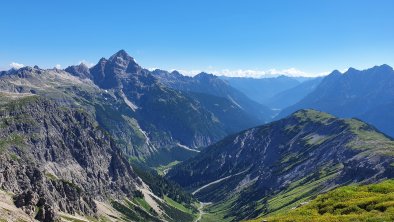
column 349, row 203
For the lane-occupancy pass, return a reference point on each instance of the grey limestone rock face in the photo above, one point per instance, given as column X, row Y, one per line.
column 58, row 159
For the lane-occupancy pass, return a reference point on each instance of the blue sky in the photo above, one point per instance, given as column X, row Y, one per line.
column 220, row 36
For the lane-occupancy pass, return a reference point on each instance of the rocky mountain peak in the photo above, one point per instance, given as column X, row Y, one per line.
column 102, row 60
column 121, row 54
column 351, row 71
column 335, row 73
column 382, row 68
column 122, row 59
column 108, row 73
column 82, row 66
column 80, row 70
column 204, row 75
column 176, row 73
column 169, row 76
column 24, row 72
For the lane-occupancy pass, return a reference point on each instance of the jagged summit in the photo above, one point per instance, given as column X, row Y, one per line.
column 176, row 73
column 351, row 70
column 204, row 75
column 102, row 60
column 107, row 73
column 82, row 66
column 376, row 69
column 335, row 73
column 124, row 62
column 120, row 60
column 81, row 70
column 382, row 68
column 121, row 54
column 24, row 72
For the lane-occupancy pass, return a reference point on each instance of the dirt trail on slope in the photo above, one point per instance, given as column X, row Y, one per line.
column 217, row 181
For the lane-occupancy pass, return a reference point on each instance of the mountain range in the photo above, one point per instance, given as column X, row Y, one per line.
column 117, row 142
column 211, row 91
column 150, row 119
column 365, row 94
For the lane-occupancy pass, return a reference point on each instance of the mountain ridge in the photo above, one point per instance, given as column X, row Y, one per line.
column 294, row 158
column 150, row 121
column 356, row 93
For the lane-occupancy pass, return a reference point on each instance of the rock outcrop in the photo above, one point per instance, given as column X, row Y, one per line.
column 58, row 159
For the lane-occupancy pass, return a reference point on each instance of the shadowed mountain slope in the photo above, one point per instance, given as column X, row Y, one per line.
column 278, row 165
column 366, row 94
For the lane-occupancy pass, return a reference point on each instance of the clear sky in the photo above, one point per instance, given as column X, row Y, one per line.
column 220, row 36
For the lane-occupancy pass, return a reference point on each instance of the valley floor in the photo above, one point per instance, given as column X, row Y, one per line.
column 201, row 210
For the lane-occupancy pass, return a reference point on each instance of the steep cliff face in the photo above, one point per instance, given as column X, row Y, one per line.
column 57, row 159
column 275, row 166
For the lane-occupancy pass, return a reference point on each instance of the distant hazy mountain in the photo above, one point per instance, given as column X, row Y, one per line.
column 293, row 95
column 261, row 90
column 366, row 94
column 279, row 165
column 214, row 87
